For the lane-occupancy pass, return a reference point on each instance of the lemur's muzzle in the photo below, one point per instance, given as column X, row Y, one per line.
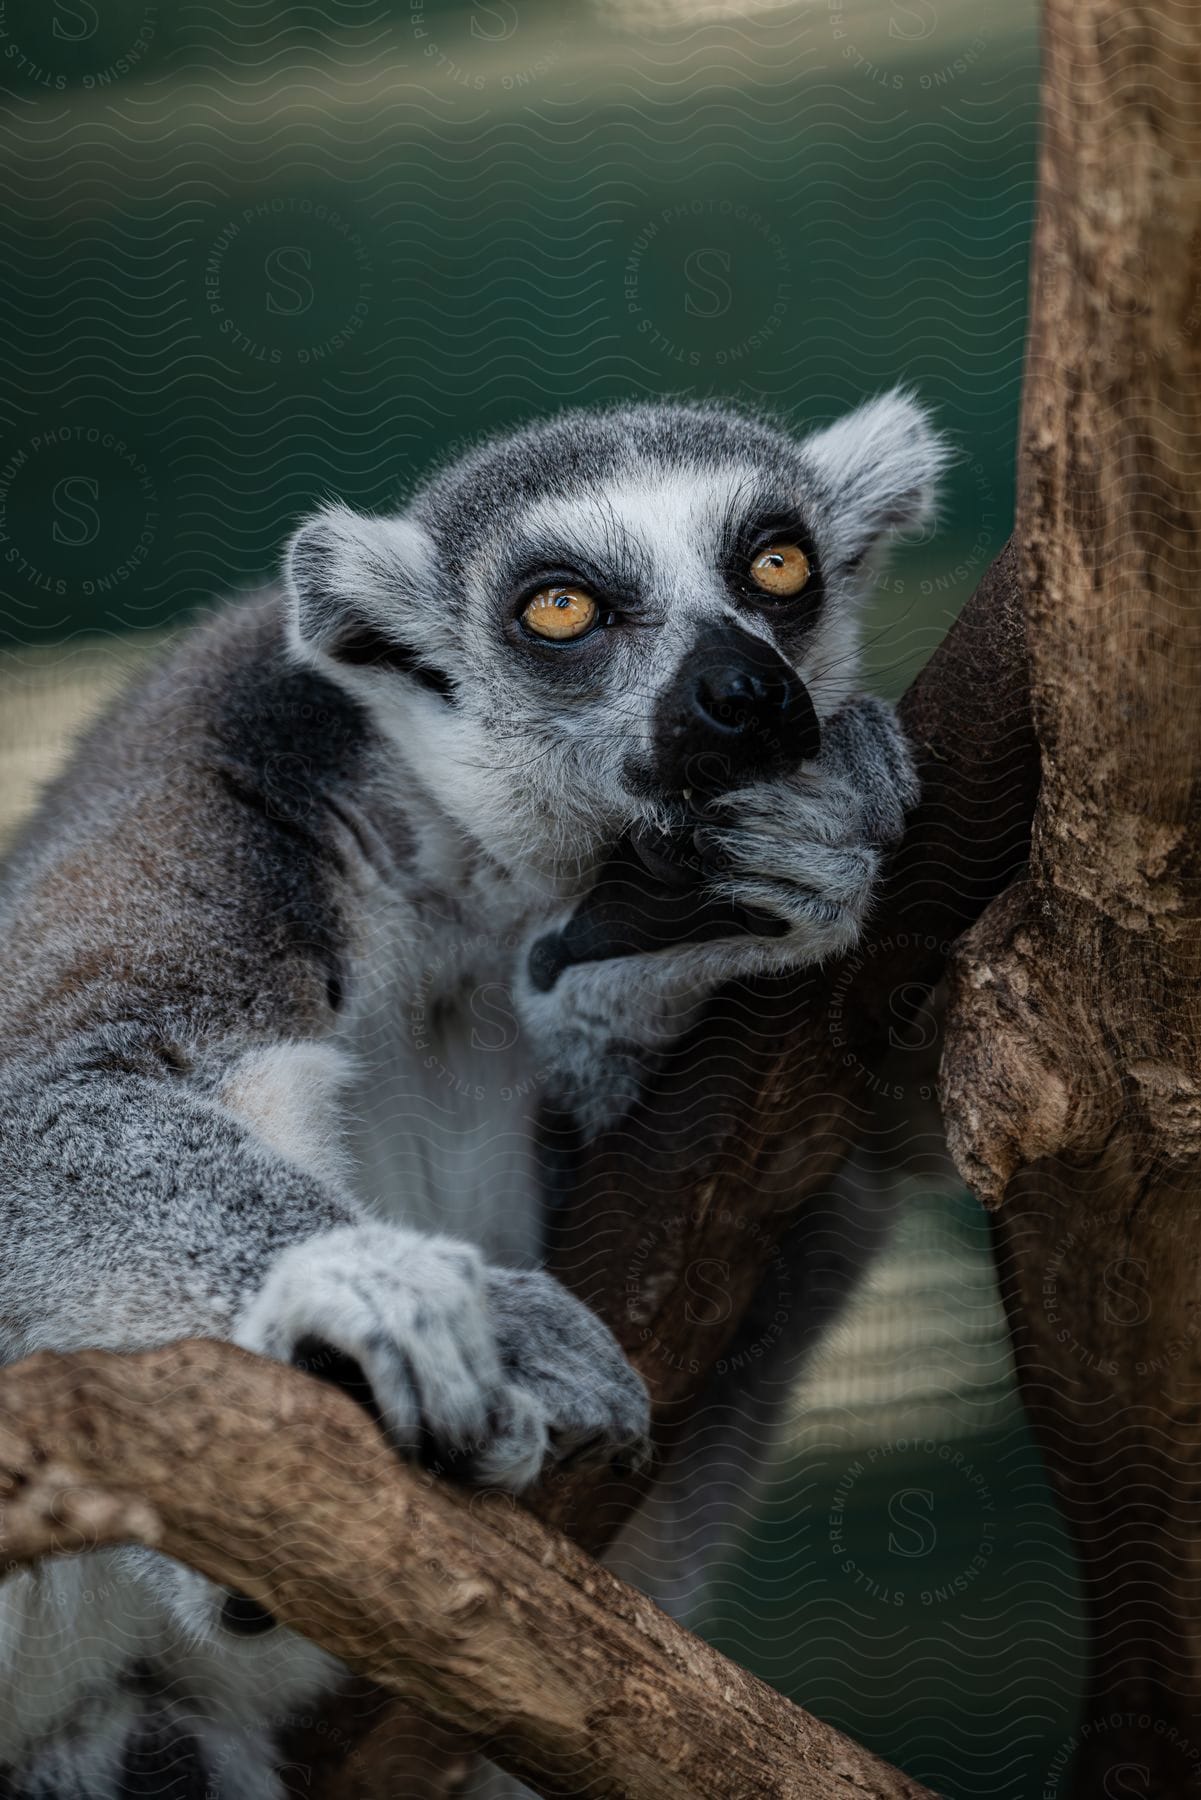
column 735, row 713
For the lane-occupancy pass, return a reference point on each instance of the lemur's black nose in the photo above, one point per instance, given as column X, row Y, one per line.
column 736, row 712
column 733, row 699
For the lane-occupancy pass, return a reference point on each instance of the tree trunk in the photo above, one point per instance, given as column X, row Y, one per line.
column 757, row 1110
column 1072, row 1069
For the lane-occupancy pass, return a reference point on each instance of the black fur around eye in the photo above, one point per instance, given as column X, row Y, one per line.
column 781, row 571
column 773, row 563
column 555, row 611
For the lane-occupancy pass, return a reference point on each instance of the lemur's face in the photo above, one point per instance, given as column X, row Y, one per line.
column 577, row 628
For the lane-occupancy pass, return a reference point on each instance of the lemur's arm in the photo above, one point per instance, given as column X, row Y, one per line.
column 175, row 952
column 137, row 1209
column 771, row 877
column 137, row 1206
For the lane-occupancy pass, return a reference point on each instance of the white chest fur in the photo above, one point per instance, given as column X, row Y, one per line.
column 442, row 1108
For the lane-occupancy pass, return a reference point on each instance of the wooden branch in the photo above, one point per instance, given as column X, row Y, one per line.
column 1071, row 1070
column 463, row 1602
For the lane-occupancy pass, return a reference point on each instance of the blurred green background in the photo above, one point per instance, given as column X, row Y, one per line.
column 259, row 254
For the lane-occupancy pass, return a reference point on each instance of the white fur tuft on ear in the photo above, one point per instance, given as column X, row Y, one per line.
column 877, row 471
column 346, row 571
column 355, row 584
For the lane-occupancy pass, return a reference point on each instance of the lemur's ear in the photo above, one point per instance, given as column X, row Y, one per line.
column 349, row 579
column 878, row 471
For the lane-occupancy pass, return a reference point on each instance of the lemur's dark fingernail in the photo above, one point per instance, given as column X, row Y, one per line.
column 244, row 1617
column 547, row 962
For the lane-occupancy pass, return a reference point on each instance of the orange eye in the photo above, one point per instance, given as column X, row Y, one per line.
column 781, row 570
column 560, row 613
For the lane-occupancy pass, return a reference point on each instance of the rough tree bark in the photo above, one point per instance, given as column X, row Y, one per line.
column 1072, row 1069
column 463, row 1602
column 745, row 1130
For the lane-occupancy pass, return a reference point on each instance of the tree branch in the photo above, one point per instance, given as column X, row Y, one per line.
column 463, row 1602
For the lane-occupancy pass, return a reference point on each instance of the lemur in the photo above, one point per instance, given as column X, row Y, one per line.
column 297, row 946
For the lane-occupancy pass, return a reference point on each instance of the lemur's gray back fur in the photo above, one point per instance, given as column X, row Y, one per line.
column 187, row 819
column 245, row 1089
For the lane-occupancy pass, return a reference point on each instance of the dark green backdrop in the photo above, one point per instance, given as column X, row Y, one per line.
column 261, row 253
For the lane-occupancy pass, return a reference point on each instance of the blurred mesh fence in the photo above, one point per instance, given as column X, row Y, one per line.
column 906, row 1575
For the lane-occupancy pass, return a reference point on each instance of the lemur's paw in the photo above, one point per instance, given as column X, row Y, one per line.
column 806, row 849
column 824, row 899
column 863, row 744
column 787, row 853
column 591, row 1405
column 422, row 1330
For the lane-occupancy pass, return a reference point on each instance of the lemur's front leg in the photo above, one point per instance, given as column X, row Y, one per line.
column 786, row 871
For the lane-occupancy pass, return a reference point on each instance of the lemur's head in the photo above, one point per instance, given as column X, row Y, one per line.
column 573, row 627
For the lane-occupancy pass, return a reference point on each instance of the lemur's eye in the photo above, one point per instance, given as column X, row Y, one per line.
column 781, row 570
column 560, row 613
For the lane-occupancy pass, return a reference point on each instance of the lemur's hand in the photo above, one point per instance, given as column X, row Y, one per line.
column 785, row 874
column 483, row 1373
column 806, row 849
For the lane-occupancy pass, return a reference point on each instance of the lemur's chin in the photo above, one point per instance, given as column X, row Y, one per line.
column 662, row 817
column 652, row 804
